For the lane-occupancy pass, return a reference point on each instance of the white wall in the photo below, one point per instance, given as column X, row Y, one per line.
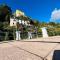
column 12, row 22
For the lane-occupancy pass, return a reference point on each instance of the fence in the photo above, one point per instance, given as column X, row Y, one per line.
column 11, row 35
column 6, row 36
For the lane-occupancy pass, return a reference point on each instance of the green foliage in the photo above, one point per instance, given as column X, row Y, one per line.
column 5, row 12
column 53, row 31
column 36, row 23
column 43, row 24
column 39, row 32
column 1, row 25
column 52, row 23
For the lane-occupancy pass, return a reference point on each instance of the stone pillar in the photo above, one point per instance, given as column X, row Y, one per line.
column 44, row 32
column 29, row 35
column 18, row 35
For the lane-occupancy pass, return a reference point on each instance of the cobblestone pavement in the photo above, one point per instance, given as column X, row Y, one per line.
column 34, row 49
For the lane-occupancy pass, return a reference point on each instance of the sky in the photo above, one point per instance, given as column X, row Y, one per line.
column 41, row 10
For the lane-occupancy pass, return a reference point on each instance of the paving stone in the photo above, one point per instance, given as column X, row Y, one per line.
column 32, row 49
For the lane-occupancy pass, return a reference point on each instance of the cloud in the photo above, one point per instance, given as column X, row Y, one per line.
column 55, row 15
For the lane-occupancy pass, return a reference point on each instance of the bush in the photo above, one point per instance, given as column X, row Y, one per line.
column 53, row 31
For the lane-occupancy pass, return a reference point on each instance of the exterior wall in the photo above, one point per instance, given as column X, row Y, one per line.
column 23, row 22
column 12, row 22
column 20, row 21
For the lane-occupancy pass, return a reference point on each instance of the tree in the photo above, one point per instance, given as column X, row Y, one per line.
column 36, row 23
column 5, row 12
column 43, row 24
column 52, row 23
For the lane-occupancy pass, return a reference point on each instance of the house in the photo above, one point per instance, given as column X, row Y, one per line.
column 14, row 19
column 13, row 22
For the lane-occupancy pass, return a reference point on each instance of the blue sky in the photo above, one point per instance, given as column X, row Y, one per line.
column 37, row 9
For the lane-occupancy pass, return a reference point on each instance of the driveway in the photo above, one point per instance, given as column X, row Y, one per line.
column 32, row 49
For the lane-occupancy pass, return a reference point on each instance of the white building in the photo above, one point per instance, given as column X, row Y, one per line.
column 14, row 21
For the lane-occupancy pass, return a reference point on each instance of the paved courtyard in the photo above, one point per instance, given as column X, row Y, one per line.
column 32, row 49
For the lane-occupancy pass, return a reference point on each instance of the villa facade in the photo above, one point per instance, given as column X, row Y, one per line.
column 14, row 20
